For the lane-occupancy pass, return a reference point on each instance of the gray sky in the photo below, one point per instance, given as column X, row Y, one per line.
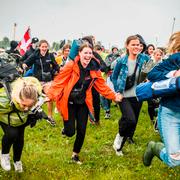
column 111, row 21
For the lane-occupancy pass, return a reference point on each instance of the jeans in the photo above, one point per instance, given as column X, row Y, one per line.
column 169, row 127
column 105, row 103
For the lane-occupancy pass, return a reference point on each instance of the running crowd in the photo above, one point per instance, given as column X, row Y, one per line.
column 81, row 78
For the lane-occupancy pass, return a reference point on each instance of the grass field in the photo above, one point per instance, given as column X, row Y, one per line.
column 47, row 155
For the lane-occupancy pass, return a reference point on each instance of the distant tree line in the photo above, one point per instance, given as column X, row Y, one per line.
column 5, row 43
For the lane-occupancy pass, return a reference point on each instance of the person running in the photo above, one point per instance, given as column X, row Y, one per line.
column 167, row 151
column 71, row 89
column 125, row 78
column 13, row 123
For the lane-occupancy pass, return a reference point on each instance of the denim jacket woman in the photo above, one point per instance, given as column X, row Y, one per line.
column 120, row 72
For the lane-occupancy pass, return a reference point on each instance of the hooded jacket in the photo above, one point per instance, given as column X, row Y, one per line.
column 68, row 77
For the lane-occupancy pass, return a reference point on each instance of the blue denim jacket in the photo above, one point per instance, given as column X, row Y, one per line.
column 120, row 72
column 159, row 73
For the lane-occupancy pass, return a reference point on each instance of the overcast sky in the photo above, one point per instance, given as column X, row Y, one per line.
column 111, row 21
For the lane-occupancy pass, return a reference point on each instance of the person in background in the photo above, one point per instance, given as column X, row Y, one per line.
column 45, row 68
column 14, row 51
column 125, row 79
column 106, row 103
column 29, row 52
column 13, row 48
column 12, row 123
column 153, row 104
column 150, row 49
column 62, row 58
column 167, row 151
column 71, row 89
column 32, row 48
column 142, row 46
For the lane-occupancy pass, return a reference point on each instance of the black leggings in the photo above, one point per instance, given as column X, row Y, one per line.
column 96, row 104
column 13, row 136
column 78, row 117
column 130, row 109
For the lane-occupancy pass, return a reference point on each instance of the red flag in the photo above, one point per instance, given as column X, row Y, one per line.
column 25, row 43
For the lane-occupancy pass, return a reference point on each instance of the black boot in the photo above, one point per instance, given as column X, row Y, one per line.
column 153, row 149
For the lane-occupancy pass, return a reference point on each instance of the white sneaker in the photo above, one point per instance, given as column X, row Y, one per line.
column 118, row 141
column 118, row 153
column 18, row 166
column 5, row 162
column 107, row 116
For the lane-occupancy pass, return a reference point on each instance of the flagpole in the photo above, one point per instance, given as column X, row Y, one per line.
column 14, row 31
column 173, row 25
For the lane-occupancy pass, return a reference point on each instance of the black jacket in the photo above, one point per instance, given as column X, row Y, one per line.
column 48, row 64
column 29, row 52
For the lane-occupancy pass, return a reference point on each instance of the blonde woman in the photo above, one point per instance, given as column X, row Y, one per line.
column 169, row 110
column 13, row 122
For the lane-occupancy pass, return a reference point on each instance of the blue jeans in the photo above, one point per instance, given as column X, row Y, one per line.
column 105, row 103
column 169, row 128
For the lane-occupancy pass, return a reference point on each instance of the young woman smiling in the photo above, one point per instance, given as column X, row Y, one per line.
column 71, row 89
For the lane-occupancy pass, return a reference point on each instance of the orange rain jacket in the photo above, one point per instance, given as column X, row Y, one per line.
column 65, row 81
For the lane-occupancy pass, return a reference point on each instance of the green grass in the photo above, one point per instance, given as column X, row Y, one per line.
column 47, row 155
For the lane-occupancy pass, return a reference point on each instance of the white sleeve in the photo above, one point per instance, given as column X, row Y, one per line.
column 170, row 74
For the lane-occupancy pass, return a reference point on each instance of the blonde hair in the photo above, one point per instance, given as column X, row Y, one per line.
column 24, row 89
column 174, row 43
column 157, row 50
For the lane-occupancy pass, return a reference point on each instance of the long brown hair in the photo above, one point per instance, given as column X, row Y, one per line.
column 85, row 45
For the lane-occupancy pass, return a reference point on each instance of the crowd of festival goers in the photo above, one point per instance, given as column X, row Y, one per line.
column 94, row 80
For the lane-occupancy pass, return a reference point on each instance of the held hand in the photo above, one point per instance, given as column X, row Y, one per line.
column 177, row 73
column 119, row 97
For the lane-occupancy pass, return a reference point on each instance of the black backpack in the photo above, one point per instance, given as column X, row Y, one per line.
column 8, row 69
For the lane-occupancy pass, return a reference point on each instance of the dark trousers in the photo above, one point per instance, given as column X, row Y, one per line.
column 130, row 109
column 96, row 104
column 78, row 117
column 13, row 136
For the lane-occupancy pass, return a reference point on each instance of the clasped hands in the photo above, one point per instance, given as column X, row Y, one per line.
column 118, row 97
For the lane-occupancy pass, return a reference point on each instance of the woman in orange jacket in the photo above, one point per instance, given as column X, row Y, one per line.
column 71, row 89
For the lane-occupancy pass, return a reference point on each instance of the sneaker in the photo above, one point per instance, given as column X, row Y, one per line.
column 107, row 116
column 118, row 152
column 118, row 141
column 75, row 158
column 51, row 121
column 5, row 162
column 18, row 166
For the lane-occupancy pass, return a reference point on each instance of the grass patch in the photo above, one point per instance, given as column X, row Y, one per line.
column 47, row 155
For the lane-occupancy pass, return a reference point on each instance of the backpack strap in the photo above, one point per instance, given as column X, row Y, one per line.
column 7, row 88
